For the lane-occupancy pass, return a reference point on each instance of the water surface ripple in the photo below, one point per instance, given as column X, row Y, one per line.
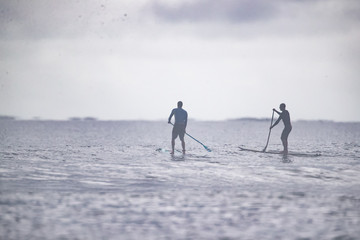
column 105, row 180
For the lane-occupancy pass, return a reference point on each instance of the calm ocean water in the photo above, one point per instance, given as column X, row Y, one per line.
column 105, row 180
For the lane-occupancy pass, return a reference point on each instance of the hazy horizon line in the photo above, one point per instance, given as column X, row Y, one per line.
column 88, row 119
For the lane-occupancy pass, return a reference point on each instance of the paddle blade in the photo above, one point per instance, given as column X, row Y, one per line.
column 207, row 149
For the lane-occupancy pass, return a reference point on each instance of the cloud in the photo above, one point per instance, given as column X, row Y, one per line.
column 213, row 10
column 41, row 19
column 274, row 17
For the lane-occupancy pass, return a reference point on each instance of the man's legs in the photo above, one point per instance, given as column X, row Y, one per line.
column 181, row 136
column 183, row 145
column 173, row 137
column 172, row 145
column 285, row 144
column 178, row 131
column 284, row 139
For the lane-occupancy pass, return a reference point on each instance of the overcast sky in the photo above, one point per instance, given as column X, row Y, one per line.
column 224, row 59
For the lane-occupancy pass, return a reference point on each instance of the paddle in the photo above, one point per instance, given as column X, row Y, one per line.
column 207, row 149
column 267, row 142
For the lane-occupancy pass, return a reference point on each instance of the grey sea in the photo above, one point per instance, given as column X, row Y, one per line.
column 106, row 180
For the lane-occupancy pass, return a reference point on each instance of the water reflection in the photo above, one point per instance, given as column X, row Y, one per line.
column 286, row 159
column 178, row 157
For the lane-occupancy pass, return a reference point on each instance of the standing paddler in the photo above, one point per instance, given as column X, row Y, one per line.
column 179, row 128
column 285, row 117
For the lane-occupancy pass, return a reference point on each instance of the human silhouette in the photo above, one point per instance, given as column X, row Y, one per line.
column 284, row 115
column 179, row 128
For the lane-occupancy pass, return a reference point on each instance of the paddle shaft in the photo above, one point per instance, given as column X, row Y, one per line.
column 195, row 139
column 267, row 142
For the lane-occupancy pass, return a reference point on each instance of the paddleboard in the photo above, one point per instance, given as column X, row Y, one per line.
column 164, row 150
column 279, row 152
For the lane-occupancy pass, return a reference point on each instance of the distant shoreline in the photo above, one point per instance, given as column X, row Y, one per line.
column 93, row 119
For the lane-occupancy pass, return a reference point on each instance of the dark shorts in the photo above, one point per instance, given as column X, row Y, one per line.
column 178, row 130
column 285, row 133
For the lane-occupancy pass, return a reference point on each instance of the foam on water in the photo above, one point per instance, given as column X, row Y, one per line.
column 105, row 180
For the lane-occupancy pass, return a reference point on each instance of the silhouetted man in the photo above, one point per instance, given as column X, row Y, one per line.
column 179, row 128
column 285, row 117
